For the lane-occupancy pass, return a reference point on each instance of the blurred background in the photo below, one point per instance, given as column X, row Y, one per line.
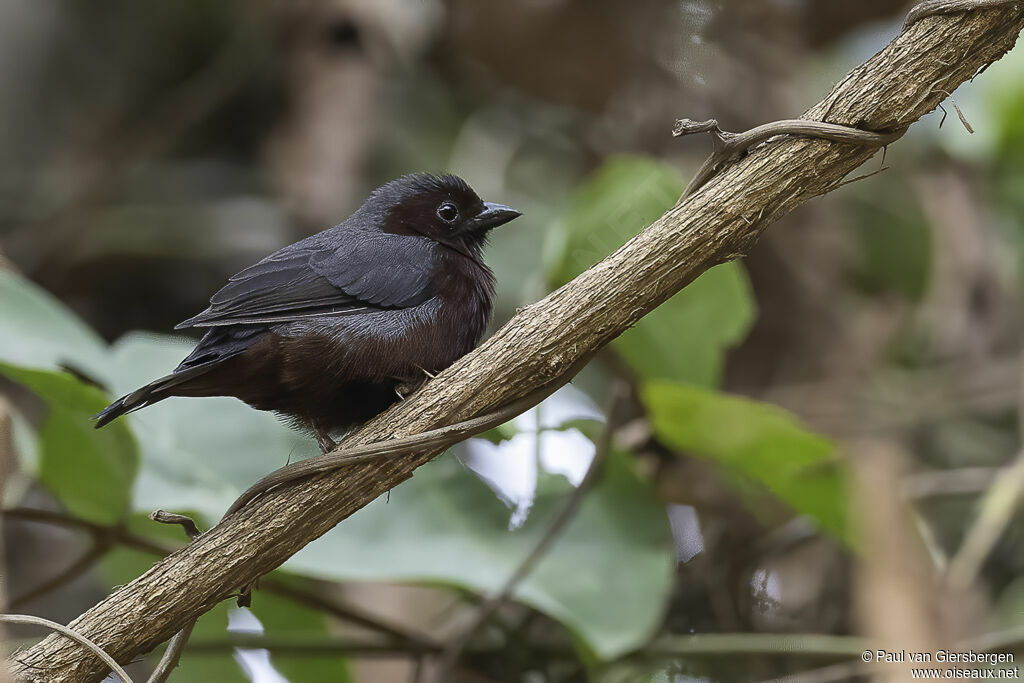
column 818, row 444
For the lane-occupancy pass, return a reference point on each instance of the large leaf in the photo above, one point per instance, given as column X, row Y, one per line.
column 755, row 441
column 685, row 338
column 38, row 331
column 198, row 453
column 90, row 471
column 607, row 578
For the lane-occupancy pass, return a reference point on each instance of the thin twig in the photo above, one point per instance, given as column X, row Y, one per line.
column 959, row 481
column 408, row 639
column 963, row 119
column 312, row 599
column 327, row 647
column 172, row 655
column 419, row 670
column 186, row 522
column 177, row 644
column 729, row 146
column 736, row 644
column 857, row 179
column 843, row 671
column 995, row 511
column 117, row 533
column 488, row 607
column 98, row 549
column 73, row 635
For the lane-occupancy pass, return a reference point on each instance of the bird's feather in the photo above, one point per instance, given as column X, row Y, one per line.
column 360, row 271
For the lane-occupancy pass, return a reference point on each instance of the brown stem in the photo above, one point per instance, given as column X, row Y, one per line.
column 312, row 599
column 98, row 549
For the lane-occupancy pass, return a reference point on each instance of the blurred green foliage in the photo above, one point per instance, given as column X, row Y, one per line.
column 894, row 245
column 90, row 471
column 38, row 331
column 755, row 442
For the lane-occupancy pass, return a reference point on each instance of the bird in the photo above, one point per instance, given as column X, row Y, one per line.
column 335, row 328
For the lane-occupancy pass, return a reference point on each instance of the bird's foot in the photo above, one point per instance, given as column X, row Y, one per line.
column 324, row 440
column 403, row 389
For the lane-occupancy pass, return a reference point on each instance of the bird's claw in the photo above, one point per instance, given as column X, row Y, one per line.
column 403, row 389
column 324, row 441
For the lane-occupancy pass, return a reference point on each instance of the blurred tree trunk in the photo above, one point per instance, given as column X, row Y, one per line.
column 338, row 52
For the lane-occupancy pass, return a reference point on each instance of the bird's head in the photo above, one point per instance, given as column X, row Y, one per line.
column 442, row 207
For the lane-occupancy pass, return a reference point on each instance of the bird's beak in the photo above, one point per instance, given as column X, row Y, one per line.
column 494, row 215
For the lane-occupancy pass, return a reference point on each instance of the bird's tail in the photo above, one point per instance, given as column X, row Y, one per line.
column 125, row 404
column 153, row 392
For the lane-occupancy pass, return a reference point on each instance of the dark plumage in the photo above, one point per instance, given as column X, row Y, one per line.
column 326, row 331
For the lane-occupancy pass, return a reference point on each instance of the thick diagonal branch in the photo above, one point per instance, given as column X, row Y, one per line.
column 721, row 221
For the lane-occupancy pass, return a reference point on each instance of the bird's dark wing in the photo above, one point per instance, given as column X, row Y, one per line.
column 338, row 272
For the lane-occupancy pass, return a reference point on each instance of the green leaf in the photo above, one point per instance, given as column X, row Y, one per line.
column 90, row 471
column 38, row 331
column 756, row 442
column 685, row 338
column 607, row 578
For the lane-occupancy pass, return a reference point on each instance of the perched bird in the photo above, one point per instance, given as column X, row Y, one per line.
column 327, row 331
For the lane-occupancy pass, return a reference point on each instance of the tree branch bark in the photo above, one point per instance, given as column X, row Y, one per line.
column 721, row 221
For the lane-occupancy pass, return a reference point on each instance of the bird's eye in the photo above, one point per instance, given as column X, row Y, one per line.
column 448, row 212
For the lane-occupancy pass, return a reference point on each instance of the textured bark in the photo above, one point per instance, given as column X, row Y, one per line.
column 721, row 221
